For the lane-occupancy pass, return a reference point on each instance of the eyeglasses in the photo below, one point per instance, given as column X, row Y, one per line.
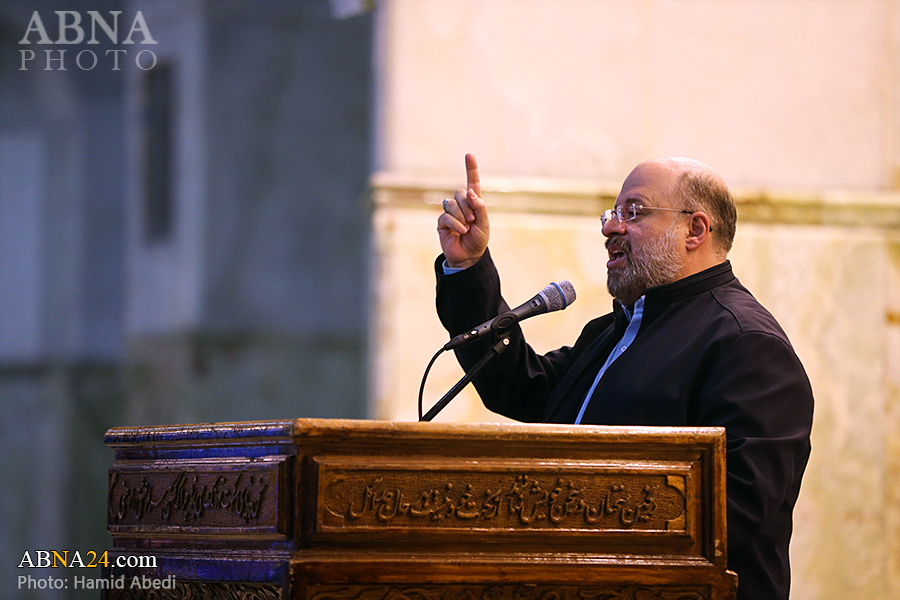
column 630, row 212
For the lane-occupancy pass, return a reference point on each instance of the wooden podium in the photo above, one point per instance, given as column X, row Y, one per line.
column 363, row 510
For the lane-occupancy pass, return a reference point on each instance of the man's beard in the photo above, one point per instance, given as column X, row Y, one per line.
column 655, row 263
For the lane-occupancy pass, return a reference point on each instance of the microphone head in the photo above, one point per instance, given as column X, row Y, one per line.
column 559, row 295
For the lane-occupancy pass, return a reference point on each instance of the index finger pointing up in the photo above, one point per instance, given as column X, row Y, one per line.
column 472, row 181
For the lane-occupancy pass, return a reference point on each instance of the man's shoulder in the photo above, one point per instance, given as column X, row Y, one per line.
column 745, row 311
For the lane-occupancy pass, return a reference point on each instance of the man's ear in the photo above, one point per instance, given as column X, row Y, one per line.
column 698, row 230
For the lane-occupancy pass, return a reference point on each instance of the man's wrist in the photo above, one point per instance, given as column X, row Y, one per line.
column 448, row 270
column 464, row 264
column 459, row 266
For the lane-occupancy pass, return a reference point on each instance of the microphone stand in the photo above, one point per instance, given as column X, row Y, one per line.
column 498, row 349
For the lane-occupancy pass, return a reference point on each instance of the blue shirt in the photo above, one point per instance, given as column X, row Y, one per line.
column 634, row 324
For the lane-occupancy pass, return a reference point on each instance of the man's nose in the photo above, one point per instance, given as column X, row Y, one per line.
column 613, row 226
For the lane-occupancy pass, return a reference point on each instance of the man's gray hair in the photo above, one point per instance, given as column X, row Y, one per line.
column 702, row 190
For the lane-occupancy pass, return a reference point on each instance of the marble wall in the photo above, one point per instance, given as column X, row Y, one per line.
column 796, row 103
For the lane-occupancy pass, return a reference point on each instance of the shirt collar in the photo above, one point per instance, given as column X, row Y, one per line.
column 637, row 309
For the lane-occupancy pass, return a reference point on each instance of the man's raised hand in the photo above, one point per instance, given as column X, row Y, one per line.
column 463, row 227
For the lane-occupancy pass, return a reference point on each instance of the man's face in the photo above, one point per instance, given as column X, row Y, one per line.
column 648, row 251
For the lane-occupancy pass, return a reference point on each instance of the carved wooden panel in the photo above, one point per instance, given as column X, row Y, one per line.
column 240, row 496
column 203, row 590
column 508, row 592
column 498, row 496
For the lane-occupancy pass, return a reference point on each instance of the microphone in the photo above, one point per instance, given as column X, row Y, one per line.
column 556, row 296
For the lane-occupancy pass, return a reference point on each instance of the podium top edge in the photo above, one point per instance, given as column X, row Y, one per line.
column 288, row 430
column 200, row 431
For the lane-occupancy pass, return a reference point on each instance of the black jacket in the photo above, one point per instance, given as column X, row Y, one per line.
column 707, row 354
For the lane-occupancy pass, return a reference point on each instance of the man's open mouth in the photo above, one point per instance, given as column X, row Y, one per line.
column 617, row 256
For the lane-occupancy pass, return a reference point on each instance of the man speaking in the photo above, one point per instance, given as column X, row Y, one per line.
column 685, row 345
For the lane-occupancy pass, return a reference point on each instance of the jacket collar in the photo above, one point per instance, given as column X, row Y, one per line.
column 692, row 285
